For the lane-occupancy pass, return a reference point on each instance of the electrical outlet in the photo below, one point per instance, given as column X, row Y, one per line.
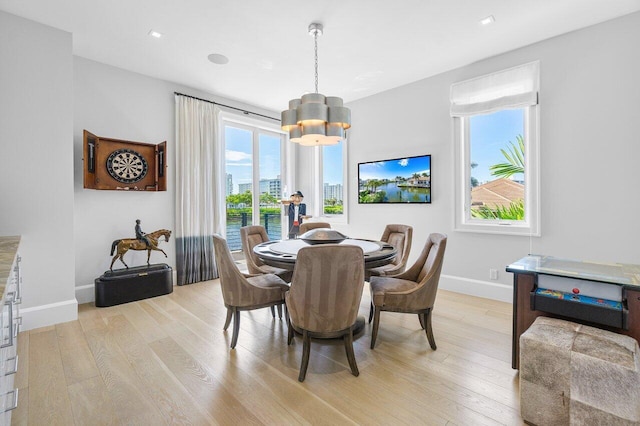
column 493, row 274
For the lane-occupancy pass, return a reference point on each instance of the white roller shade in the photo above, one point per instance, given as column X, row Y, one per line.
column 515, row 87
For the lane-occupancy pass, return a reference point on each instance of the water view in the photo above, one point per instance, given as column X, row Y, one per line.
column 272, row 223
column 400, row 180
column 396, row 193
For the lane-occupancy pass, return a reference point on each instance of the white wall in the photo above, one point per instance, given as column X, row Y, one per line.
column 115, row 103
column 36, row 164
column 589, row 154
column 47, row 98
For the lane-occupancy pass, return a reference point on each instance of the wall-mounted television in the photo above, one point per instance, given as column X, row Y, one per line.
column 404, row 180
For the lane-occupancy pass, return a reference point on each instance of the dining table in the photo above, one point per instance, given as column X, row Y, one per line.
column 283, row 253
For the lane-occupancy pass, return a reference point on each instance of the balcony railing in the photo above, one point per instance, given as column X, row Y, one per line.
column 271, row 221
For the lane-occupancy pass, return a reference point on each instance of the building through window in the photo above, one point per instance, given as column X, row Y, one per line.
column 330, row 182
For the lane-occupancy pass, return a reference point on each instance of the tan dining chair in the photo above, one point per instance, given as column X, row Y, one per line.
column 308, row 226
column 242, row 292
column 413, row 291
column 400, row 237
column 325, row 294
column 251, row 236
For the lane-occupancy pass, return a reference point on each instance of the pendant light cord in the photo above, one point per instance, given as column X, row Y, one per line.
column 315, row 37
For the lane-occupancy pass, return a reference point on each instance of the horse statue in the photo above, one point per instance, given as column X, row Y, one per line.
column 127, row 244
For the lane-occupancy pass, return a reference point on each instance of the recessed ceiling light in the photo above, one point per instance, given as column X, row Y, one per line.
column 488, row 20
column 155, row 34
column 217, row 58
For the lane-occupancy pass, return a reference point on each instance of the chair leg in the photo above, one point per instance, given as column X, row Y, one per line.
column 351, row 356
column 306, row 349
column 290, row 328
column 376, row 323
column 273, row 312
column 421, row 318
column 279, row 307
column 228, row 320
column 236, row 327
column 432, row 341
column 370, row 312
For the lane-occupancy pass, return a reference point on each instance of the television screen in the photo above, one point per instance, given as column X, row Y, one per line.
column 400, row 180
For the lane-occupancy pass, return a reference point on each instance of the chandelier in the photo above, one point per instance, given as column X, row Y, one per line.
column 315, row 119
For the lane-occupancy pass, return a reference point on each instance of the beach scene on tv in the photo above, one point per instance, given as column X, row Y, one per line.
column 401, row 180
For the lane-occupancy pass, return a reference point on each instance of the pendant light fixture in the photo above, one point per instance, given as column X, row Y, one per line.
column 315, row 119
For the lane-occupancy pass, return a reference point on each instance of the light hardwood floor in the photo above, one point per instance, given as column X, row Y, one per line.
column 166, row 360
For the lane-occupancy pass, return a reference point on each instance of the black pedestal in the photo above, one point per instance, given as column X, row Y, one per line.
column 137, row 283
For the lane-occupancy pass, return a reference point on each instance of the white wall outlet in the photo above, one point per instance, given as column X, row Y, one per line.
column 493, row 274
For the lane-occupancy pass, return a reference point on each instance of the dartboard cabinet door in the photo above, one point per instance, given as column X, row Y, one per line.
column 123, row 165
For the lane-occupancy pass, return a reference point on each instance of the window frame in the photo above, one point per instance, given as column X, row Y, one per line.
column 463, row 221
column 319, row 187
column 256, row 127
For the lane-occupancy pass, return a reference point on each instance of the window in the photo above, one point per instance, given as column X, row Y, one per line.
column 330, row 182
column 254, row 172
column 496, row 152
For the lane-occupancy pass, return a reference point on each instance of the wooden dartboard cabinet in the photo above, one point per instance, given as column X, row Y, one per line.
column 124, row 165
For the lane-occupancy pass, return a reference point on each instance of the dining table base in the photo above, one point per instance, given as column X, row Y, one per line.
column 358, row 327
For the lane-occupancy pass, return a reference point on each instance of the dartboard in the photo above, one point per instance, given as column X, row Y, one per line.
column 127, row 166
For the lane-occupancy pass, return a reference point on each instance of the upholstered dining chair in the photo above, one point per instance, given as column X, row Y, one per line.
column 325, row 294
column 242, row 292
column 308, row 226
column 399, row 236
column 413, row 291
column 251, row 236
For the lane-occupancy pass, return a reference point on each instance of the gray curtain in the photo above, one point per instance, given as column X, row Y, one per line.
column 196, row 189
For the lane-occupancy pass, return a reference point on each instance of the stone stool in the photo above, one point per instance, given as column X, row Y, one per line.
column 579, row 375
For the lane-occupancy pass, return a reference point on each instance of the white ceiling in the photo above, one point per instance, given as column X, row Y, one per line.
column 368, row 46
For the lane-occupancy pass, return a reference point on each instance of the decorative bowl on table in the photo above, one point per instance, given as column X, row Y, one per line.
column 323, row 236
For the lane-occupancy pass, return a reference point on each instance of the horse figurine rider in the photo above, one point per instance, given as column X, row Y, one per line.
column 142, row 241
column 140, row 234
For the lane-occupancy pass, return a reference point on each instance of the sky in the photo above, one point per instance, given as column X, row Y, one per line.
column 389, row 169
column 239, row 152
column 239, row 162
column 489, row 133
column 332, row 164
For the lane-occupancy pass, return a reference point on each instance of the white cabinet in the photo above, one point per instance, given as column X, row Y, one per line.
column 10, row 321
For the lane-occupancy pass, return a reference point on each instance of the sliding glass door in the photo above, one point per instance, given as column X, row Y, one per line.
column 254, row 170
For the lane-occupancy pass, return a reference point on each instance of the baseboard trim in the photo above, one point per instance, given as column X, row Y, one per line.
column 53, row 313
column 488, row 290
column 86, row 294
